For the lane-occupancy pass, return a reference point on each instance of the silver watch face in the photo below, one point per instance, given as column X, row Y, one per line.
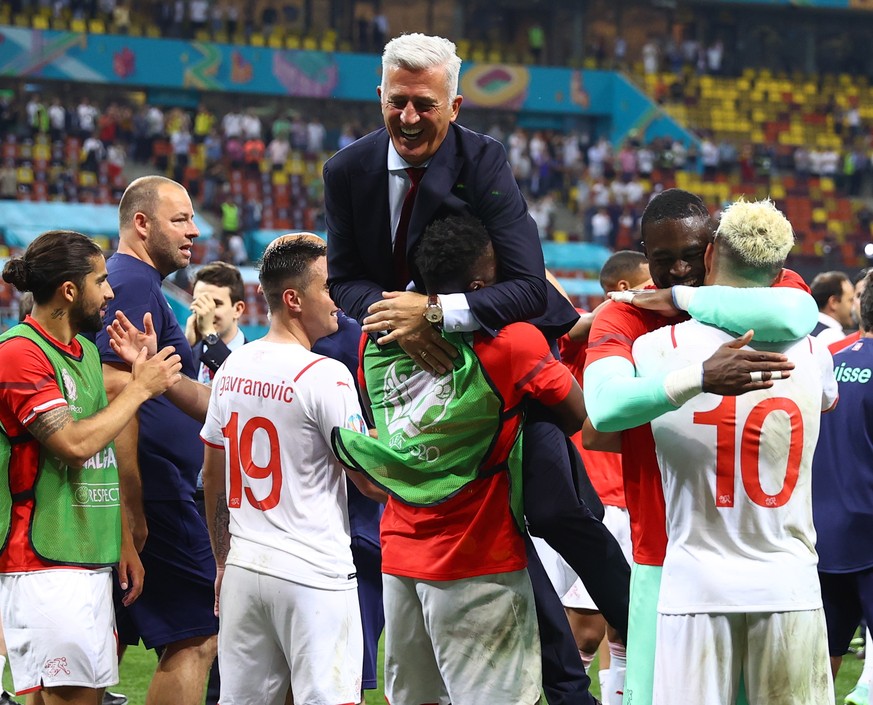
column 433, row 314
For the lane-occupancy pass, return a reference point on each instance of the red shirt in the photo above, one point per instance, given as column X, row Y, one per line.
column 603, row 468
column 474, row 532
column 613, row 332
column 28, row 388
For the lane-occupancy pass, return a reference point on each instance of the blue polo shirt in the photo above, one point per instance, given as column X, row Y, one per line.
column 170, row 451
column 842, row 468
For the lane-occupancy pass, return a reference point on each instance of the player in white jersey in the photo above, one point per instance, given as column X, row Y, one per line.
column 276, row 499
column 739, row 592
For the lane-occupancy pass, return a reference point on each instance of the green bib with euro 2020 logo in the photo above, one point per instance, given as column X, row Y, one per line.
column 435, row 433
column 76, row 516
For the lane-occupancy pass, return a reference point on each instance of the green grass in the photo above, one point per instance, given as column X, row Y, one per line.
column 139, row 664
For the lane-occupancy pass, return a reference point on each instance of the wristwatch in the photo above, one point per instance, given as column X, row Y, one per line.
column 434, row 312
column 211, row 339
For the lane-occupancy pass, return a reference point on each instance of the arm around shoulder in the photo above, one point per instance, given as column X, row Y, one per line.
column 776, row 314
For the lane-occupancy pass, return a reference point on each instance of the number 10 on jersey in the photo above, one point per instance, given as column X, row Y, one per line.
column 724, row 418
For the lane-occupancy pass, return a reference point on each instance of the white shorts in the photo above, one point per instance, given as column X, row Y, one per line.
column 783, row 657
column 564, row 579
column 60, row 628
column 274, row 632
column 469, row 642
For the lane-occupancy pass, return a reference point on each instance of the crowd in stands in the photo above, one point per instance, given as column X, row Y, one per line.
column 74, row 153
column 607, row 187
column 257, row 170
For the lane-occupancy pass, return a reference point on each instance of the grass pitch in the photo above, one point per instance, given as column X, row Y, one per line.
column 139, row 664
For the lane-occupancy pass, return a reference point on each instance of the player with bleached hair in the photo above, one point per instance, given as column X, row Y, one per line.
column 740, row 567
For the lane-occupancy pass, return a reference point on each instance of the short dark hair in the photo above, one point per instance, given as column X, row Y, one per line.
column 141, row 196
column 867, row 304
column 862, row 274
column 286, row 265
column 447, row 252
column 827, row 284
column 223, row 274
column 673, row 204
column 620, row 265
column 50, row 260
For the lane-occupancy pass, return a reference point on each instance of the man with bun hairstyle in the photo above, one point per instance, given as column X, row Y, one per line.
column 61, row 523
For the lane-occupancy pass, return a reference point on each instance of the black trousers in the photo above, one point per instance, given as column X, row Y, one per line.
column 555, row 513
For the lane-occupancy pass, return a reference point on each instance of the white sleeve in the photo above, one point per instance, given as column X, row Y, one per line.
column 212, row 432
column 830, row 335
column 647, row 352
column 457, row 315
column 830, row 390
column 335, row 399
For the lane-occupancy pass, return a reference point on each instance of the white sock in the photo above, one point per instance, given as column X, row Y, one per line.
column 2, row 664
column 617, row 670
column 586, row 659
column 603, row 677
column 867, row 672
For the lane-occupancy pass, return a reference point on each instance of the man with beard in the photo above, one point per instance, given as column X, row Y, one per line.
column 676, row 229
column 174, row 615
column 740, row 567
column 62, row 527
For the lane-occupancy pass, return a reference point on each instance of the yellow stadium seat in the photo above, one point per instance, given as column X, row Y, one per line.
column 257, row 40
column 78, row 25
column 40, row 22
column 97, row 26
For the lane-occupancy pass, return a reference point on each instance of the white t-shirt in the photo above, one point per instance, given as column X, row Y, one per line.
column 736, row 477
column 272, row 409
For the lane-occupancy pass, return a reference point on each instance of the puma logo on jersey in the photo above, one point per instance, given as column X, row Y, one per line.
column 340, row 383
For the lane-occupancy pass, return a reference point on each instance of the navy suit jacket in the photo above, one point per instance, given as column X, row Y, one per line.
column 469, row 174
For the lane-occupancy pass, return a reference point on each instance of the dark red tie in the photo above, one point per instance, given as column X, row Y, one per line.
column 401, row 266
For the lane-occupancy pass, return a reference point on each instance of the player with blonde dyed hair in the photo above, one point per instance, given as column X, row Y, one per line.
column 740, row 566
column 756, row 237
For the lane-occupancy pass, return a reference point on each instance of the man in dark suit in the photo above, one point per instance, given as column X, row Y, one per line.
column 380, row 193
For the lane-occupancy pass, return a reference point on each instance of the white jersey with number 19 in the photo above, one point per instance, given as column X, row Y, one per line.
column 736, row 477
column 272, row 410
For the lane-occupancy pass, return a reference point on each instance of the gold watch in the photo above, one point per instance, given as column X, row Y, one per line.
column 433, row 314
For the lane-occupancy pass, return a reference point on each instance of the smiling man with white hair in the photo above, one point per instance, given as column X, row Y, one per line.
column 740, row 567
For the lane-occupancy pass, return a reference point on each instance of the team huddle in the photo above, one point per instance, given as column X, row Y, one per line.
column 413, row 362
